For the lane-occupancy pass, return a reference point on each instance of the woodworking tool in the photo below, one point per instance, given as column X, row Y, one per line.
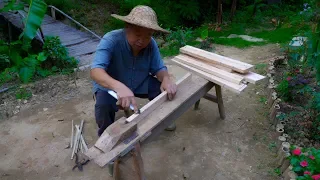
column 114, row 94
column 80, row 165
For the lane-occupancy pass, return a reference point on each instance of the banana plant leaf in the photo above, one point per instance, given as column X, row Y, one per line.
column 11, row 6
column 33, row 21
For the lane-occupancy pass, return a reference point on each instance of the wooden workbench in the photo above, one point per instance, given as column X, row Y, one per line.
column 188, row 94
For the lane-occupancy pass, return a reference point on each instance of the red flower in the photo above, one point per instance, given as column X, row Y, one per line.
column 289, row 78
column 297, row 152
column 304, row 163
column 316, row 177
column 307, row 172
column 311, row 157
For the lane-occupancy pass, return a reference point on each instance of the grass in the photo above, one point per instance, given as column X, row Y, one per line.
column 169, row 51
column 237, row 42
column 280, row 35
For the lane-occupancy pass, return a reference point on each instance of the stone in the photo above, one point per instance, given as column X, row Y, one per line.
column 199, row 39
column 16, row 111
column 246, row 38
column 45, row 109
column 207, row 149
column 25, row 102
column 185, row 175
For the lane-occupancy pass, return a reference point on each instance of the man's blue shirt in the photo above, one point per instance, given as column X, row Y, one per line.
column 114, row 55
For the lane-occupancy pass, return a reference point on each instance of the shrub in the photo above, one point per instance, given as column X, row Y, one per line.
column 306, row 163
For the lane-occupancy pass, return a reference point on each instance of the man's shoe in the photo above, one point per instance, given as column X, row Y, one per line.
column 172, row 127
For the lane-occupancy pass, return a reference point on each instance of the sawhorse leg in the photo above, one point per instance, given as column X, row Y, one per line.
column 217, row 99
column 137, row 165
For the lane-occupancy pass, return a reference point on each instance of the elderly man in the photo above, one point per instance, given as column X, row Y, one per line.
column 128, row 62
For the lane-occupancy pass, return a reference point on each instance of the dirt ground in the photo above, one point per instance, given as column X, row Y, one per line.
column 203, row 147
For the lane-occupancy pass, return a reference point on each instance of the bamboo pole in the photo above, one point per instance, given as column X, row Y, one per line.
column 71, row 139
column 77, row 140
column 83, row 143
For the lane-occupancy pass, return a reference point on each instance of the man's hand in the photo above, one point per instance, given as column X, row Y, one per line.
column 169, row 86
column 126, row 97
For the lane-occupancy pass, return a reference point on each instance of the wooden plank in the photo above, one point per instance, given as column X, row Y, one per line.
column 176, row 113
column 148, row 108
column 47, row 20
column 15, row 19
column 119, row 130
column 210, row 97
column 188, row 60
column 252, row 77
column 186, row 92
column 138, row 162
column 115, row 134
column 74, row 41
column 226, row 84
column 216, row 59
column 83, row 48
column 220, row 102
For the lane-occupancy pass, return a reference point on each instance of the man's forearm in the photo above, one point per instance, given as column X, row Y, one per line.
column 161, row 75
column 101, row 77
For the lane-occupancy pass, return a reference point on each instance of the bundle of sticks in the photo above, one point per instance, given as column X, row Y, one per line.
column 224, row 71
column 77, row 142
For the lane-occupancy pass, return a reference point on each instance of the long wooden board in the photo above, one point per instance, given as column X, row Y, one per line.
column 121, row 129
column 188, row 60
column 168, row 108
column 238, row 88
column 213, row 58
column 252, row 77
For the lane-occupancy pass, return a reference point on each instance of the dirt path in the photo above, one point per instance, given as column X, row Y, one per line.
column 33, row 142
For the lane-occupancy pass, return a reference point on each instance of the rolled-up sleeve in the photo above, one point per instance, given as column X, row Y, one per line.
column 103, row 53
column 157, row 63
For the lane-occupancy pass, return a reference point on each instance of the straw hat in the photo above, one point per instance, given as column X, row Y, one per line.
column 142, row 16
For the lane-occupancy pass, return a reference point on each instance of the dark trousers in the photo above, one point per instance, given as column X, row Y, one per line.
column 105, row 107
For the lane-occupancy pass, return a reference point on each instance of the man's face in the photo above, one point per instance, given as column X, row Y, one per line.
column 139, row 37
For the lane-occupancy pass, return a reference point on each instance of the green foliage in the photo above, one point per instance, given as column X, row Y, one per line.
column 58, row 54
column 284, row 91
column 180, row 36
column 23, row 93
column 277, row 171
column 189, row 10
column 64, row 5
column 37, row 10
column 26, row 65
column 12, row 5
column 305, row 162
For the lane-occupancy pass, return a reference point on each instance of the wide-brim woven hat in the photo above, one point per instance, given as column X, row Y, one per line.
column 143, row 16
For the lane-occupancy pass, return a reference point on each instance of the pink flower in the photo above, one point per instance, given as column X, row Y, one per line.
column 304, row 163
column 316, row 177
column 297, row 152
column 289, row 78
column 311, row 157
column 307, row 172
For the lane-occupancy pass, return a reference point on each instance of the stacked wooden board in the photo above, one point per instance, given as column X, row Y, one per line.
column 226, row 72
